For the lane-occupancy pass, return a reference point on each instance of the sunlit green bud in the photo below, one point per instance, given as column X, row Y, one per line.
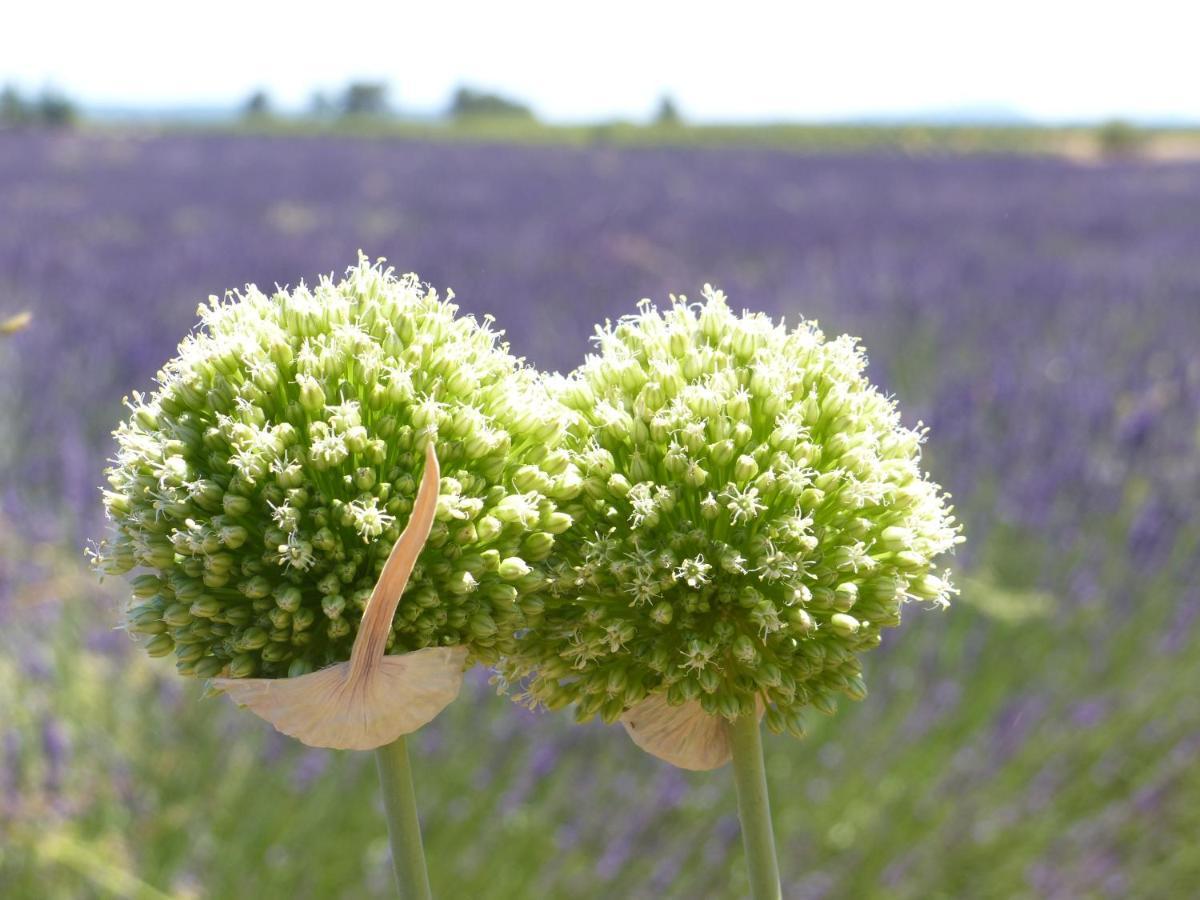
column 158, row 555
column 276, row 651
column 512, row 568
column 695, row 476
column 895, row 538
column 640, row 468
column 291, row 476
column 662, row 613
column 148, row 623
column 516, row 509
column 176, row 615
column 204, row 608
column 845, row 596
column 288, row 598
column 235, row 505
column 843, row 624
column 708, row 679
column 910, row 560
column 745, row 469
column 189, row 653
column 238, row 616
column 722, row 452
column 256, row 587
column 160, row 645
column 146, row 586
column 338, row 628
column 244, row 665
column 501, row 594
column 801, row 621
column 302, row 619
column 744, row 650
column 555, row 522
column 356, row 439
column 537, row 546
column 742, row 434
column 312, row 396
column 929, row 587
column 462, row 583
column 530, row 478
column 595, row 487
column 233, row 536
column 252, row 639
column 488, row 528
column 280, row 619
column 208, row 667
column 364, row 478
column 482, row 625
column 333, row 605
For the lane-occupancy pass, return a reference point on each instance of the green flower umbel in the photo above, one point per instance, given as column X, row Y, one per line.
column 258, row 492
column 753, row 516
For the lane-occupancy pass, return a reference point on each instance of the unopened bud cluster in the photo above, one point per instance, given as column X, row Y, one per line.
column 753, row 515
column 256, row 495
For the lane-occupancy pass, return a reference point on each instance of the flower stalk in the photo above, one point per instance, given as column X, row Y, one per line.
column 404, row 826
column 754, row 808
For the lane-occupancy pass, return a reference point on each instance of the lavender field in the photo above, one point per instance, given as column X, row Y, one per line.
column 1038, row 739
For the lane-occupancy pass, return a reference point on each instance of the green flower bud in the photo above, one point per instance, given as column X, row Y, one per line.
column 843, row 624
column 160, row 645
column 244, row 665
column 745, row 469
column 513, row 568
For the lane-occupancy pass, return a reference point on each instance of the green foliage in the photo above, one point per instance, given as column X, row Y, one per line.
column 469, row 103
column 1118, row 138
column 257, row 105
column 364, row 99
column 667, row 115
column 50, row 108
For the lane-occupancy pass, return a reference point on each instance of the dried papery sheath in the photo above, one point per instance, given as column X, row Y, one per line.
column 683, row 735
column 753, row 516
column 257, row 494
column 372, row 699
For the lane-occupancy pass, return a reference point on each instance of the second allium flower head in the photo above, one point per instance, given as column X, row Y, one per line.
column 753, row 515
column 262, row 486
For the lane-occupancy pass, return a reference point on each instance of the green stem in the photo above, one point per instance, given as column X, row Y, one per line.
column 754, row 808
column 404, row 828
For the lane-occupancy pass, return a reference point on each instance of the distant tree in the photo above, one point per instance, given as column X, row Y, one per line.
column 667, row 112
column 257, row 105
column 469, row 103
column 321, row 106
column 50, row 108
column 13, row 108
column 1118, row 138
column 365, row 98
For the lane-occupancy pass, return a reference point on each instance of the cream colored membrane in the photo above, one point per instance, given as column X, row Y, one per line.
column 685, row 735
column 372, row 699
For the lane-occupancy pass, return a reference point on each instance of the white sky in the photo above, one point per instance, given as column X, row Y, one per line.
column 1053, row 59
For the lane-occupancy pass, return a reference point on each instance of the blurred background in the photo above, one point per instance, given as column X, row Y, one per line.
column 1004, row 205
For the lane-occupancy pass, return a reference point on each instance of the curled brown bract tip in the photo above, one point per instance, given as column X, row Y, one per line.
column 371, row 699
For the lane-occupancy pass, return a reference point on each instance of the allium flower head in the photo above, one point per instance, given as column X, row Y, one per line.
column 753, row 516
column 257, row 493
